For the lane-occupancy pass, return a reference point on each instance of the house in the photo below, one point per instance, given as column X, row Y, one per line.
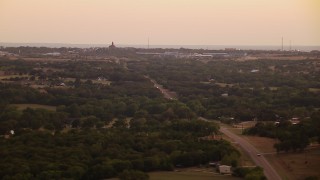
column 9, row 134
column 254, row 70
column 224, row 169
column 225, row 95
column 294, row 120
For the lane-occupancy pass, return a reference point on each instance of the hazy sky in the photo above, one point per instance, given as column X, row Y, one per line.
column 166, row 22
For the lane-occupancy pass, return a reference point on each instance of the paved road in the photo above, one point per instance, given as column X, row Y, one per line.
column 166, row 93
column 261, row 161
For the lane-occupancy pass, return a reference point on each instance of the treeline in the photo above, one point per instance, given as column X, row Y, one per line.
column 27, row 51
column 122, row 129
column 262, row 90
column 79, row 107
column 105, row 153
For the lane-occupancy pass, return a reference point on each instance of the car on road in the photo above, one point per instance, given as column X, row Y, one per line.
column 258, row 154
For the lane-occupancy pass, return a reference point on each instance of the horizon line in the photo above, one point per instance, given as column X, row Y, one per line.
column 305, row 48
column 160, row 44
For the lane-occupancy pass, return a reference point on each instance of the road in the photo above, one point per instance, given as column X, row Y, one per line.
column 166, row 93
column 255, row 155
column 259, row 160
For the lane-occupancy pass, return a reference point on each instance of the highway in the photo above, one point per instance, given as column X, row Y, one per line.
column 255, row 155
column 165, row 92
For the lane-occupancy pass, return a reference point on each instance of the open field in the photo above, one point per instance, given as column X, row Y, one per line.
column 34, row 106
column 35, row 86
column 104, row 82
column 13, row 76
column 190, row 175
column 297, row 165
column 224, row 84
column 44, row 59
column 263, row 144
column 273, row 88
column 314, row 90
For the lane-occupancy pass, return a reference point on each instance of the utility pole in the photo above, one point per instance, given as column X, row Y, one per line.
column 282, row 44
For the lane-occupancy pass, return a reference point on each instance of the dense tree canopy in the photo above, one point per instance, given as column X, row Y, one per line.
column 108, row 120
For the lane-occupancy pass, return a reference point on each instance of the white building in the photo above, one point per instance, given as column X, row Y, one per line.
column 224, row 169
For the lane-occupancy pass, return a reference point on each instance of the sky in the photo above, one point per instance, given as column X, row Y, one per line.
column 164, row 22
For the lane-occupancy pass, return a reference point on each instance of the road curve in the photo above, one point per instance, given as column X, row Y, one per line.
column 261, row 161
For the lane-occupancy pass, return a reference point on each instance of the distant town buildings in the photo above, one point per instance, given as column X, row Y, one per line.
column 52, row 54
column 4, row 53
column 206, row 55
column 230, row 49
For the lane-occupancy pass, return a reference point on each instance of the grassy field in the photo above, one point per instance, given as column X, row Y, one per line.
column 46, row 59
column 224, row 84
column 186, row 174
column 314, row 90
column 34, row 106
column 104, row 82
column 273, row 88
column 297, row 165
column 12, row 76
column 189, row 175
column 263, row 144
